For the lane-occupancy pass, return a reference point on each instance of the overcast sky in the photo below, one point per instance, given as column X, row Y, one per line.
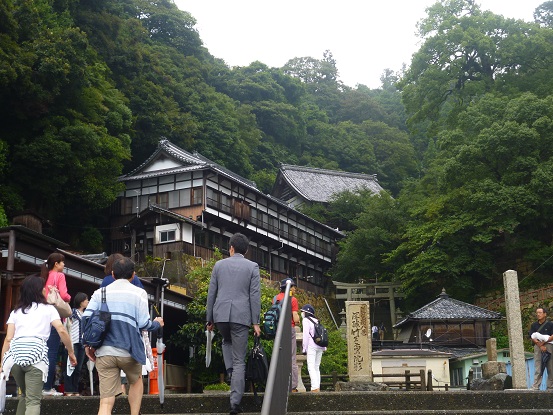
column 364, row 36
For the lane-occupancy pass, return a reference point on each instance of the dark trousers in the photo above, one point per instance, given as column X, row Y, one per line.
column 71, row 383
column 235, row 347
column 53, row 344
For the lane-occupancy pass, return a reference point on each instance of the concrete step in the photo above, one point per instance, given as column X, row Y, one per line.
column 417, row 412
column 520, row 402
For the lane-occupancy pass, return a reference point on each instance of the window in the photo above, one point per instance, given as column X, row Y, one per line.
column 167, row 236
column 225, row 203
column 457, row 378
column 197, row 196
column 163, row 200
column 279, row 263
column 184, row 197
column 211, row 198
column 284, row 230
column 201, row 238
column 128, row 205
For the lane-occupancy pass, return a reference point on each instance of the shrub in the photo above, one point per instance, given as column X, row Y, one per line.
column 217, row 387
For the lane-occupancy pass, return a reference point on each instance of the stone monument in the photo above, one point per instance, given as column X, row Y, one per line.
column 494, row 373
column 514, row 329
column 359, row 341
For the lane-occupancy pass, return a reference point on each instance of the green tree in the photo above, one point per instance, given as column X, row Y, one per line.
column 544, row 14
column 65, row 126
column 484, row 205
column 379, row 228
column 466, row 51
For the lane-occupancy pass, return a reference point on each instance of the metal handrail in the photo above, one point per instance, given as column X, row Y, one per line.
column 275, row 400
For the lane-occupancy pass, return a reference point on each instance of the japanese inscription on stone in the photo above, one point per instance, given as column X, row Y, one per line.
column 359, row 341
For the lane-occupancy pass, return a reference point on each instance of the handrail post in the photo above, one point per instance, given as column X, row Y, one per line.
column 334, row 379
column 423, row 380
column 408, row 380
column 470, row 378
column 429, row 386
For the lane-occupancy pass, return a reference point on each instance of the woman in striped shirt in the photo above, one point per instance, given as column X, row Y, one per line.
column 74, row 326
column 24, row 352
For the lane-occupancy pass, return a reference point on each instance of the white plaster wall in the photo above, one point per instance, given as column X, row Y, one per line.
column 169, row 227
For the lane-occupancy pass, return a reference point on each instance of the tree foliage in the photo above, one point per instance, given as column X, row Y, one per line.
column 478, row 98
column 467, row 52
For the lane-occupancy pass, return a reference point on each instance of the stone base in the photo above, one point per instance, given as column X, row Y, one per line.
column 360, row 386
column 490, row 369
column 498, row 382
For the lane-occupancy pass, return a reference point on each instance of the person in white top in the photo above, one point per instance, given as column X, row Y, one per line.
column 24, row 352
column 313, row 351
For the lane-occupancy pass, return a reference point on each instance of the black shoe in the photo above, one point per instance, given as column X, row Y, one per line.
column 235, row 409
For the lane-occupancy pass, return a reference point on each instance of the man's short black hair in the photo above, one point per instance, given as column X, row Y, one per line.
column 545, row 310
column 240, row 243
column 123, row 268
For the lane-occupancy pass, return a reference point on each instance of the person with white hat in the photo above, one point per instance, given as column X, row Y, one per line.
column 313, row 351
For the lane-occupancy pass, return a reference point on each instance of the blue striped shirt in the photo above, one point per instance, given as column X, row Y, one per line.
column 128, row 306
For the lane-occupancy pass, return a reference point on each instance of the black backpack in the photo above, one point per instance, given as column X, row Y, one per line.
column 257, row 368
column 321, row 334
column 96, row 326
column 270, row 319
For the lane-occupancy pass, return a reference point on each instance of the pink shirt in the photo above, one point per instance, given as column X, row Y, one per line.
column 58, row 280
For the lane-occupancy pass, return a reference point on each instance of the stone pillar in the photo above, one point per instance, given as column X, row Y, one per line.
column 514, row 329
column 300, row 358
column 492, row 367
column 491, row 349
column 392, row 307
column 359, row 341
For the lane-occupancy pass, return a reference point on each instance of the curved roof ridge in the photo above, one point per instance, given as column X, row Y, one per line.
column 318, row 170
column 447, row 308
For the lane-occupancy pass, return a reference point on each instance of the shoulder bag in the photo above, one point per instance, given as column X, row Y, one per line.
column 55, row 299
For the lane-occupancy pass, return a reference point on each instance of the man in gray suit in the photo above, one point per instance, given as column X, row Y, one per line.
column 234, row 304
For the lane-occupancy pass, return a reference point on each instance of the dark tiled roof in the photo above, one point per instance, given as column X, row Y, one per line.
column 445, row 308
column 155, row 209
column 191, row 162
column 462, row 352
column 410, row 352
column 318, row 185
column 156, row 173
column 98, row 258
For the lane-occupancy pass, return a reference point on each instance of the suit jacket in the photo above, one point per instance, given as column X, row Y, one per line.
column 234, row 292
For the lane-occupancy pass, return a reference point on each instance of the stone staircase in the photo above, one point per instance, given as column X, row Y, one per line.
column 520, row 402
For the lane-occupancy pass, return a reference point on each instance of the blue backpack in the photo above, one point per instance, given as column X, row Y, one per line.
column 270, row 319
column 96, row 326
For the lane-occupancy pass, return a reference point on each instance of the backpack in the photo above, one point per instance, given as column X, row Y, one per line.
column 270, row 319
column 96, row 326
column 321, row 334
column 257, row 368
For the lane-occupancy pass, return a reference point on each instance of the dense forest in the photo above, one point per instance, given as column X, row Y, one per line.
column 462, row 139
